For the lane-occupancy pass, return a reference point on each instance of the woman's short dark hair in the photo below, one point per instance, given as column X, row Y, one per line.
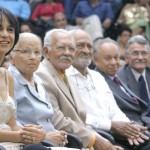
column 13, row 22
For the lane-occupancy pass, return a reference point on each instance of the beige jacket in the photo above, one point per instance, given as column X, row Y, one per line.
column 69, row 113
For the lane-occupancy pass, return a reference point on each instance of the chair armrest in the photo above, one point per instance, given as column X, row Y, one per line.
column 105, row 134
column 74, row 141
column 48, row 143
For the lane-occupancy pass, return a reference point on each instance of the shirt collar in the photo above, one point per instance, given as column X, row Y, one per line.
column 73, row 71
column 20, row 78
column 112, row 77
column 137, row 75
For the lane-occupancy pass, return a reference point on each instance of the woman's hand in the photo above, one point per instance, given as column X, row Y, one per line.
column 19, row 138
column 57, row 137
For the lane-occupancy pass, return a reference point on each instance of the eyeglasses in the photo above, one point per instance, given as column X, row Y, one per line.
column 136, row 53
column 89, row 86
column 62, row 48
column 28, row 53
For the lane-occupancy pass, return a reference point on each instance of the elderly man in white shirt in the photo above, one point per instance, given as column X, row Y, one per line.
column 102, row 110
column 100, row 104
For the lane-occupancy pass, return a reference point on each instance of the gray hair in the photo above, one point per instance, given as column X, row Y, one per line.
column 25, row 36
column 98, row 42
column 137, row 39
column 49, row 34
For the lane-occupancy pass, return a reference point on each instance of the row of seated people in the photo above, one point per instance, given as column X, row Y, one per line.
column 97, row 26
column 79, row 88
column 60, row 21
column 9, row 130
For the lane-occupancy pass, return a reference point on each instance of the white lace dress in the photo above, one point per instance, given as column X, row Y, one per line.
column 7, row 108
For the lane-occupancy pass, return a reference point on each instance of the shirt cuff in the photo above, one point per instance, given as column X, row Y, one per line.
column 103, row 124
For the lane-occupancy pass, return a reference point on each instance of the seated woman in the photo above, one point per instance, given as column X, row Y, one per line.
column 12, row 136
column 33, row 105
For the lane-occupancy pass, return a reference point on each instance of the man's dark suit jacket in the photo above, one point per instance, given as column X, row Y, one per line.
column 134, row 111
column 128, row 78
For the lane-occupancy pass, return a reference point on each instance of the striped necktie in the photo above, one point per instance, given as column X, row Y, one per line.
column 143, row 89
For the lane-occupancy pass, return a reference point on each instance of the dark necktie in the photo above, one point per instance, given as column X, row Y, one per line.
column 118, row 82
column 143, row 89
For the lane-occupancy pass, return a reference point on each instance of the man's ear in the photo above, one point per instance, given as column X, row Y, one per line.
column 126, row 58
column 46, row 52
column 94, row 59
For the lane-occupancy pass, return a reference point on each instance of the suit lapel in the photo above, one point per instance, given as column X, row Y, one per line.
column 62, row 86
column 34, row 93
column 115, row 88
column 60, row 83
column 131, row 80
column 135, row 86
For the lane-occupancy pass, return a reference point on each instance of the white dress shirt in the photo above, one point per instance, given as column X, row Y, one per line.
column 98, row 99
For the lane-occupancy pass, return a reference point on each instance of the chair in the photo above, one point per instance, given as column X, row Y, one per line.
column 74, row 142
column 105, row 134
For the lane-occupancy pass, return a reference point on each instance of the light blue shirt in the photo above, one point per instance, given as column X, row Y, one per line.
column 32, row 107
column 19, row 8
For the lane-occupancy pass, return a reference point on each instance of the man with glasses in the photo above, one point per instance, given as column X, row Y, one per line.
column 136, row 74
column 69, row 113
column 106, row 59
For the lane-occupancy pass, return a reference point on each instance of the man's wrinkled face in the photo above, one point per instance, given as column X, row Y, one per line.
column 84, row 50
column 137, row 56
column 107, row 58
column 62, row 51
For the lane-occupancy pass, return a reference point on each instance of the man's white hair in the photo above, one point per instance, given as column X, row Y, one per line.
column 48, row 36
